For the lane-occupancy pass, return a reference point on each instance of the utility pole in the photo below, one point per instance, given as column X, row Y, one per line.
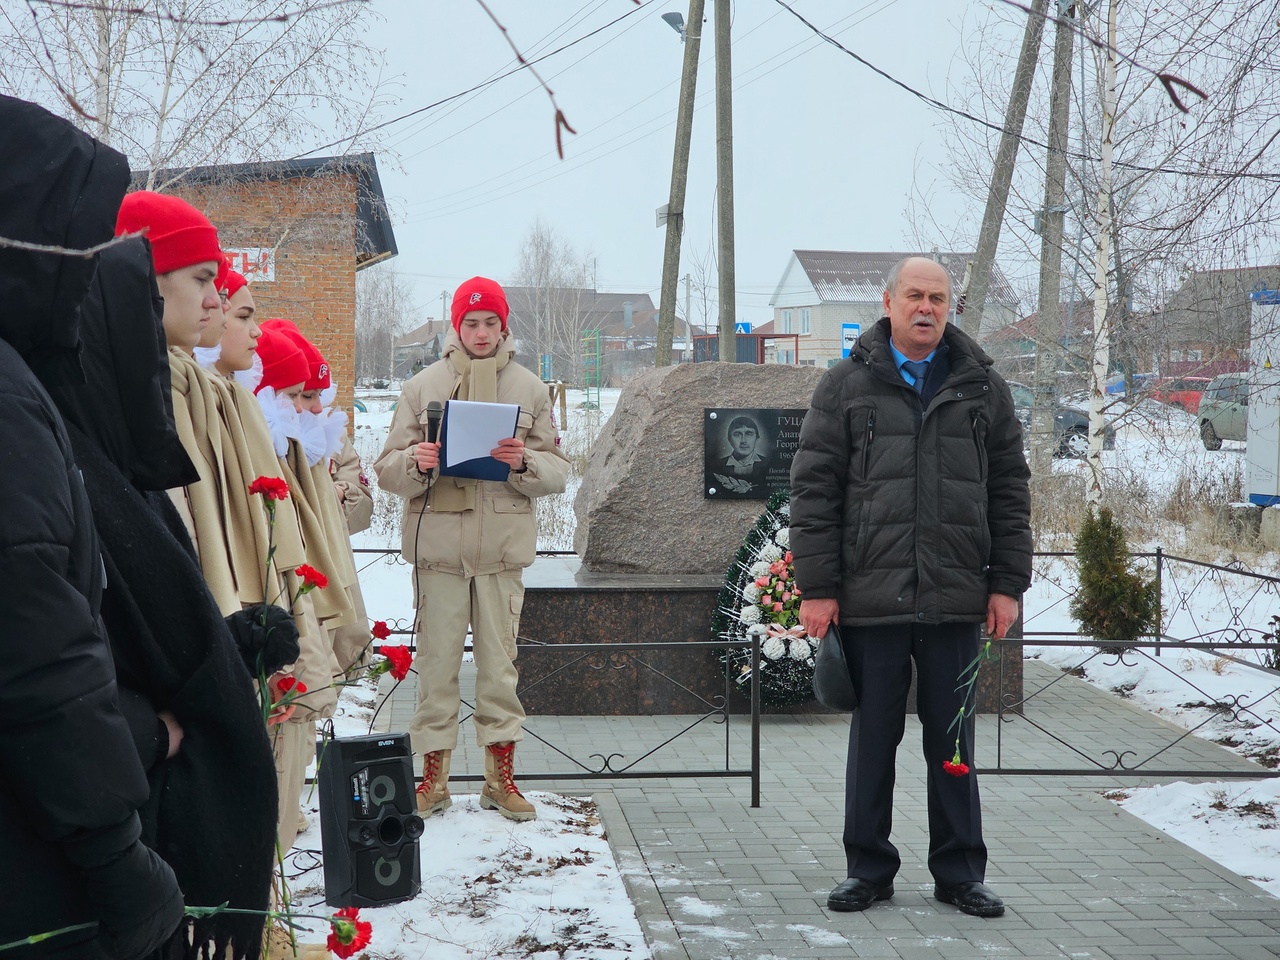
column 998, row 197
column 1048, row 348
column 724, row 182
column 679, row 179
column 1102, row 335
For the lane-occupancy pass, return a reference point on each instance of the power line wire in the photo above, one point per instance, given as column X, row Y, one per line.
column 455, row 205
column 999, row 128
column 479, row 86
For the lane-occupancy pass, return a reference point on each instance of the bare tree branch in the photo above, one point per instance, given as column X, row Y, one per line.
column 196, row 21
column 86, row 253
column 561, row 122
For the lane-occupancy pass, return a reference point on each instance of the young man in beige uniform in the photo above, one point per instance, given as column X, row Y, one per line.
column 468, row 541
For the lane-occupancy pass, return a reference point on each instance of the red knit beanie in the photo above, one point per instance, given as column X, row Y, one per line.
column 180, row 234
column 479, row 293
column 283, row 363
column 220, row 281
column 235, row 283
column 317, row 368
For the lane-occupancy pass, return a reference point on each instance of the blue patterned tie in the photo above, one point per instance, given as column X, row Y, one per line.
column 917, row 370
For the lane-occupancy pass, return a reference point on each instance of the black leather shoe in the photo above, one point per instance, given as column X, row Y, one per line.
column 857, row 894
column 971, row 896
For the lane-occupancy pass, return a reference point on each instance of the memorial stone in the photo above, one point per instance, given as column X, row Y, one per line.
column 642, row 506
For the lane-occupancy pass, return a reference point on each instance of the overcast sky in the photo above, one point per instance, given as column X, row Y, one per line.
column 826, row 152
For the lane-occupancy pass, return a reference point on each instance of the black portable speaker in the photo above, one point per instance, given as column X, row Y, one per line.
column 369, row 823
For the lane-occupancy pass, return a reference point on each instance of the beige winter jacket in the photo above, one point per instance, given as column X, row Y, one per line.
column 500, row 533
column 348, row 477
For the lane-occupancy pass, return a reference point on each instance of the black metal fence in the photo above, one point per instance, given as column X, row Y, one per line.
column 627, row 761
column 1223, row 611
column 1233, row 625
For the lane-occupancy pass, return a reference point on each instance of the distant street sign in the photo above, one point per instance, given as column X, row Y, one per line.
column 849, row 333
column 742, row 327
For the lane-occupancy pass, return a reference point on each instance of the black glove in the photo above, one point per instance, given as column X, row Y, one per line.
column 266, row 637
column 137, row 900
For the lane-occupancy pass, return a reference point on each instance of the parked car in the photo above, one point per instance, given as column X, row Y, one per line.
column 1184, row 392
column 1070, row 424
column 1224, row 410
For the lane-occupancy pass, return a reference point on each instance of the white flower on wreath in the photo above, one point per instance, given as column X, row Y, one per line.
column 759, row 569
column 773, row 648
column 751, row 593
column 769, row 553
column 749, row 614
column 783, row 538
column 800, row 649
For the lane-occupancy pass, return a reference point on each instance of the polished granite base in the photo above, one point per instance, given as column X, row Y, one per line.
column 565, row 604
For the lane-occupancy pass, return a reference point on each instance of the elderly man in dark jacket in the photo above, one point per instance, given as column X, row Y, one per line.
column 910, row 527
column 72, row 785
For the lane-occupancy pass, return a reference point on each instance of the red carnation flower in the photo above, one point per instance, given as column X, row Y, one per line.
column 273, row 488
column 349, row 934
column 312, row 578
column 956, row 768
column 291, row 684
column 400, row 659
column 380, row 630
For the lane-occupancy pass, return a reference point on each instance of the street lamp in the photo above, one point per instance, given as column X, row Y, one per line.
column 676, row 21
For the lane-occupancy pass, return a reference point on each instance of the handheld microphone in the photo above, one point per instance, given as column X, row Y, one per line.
column 435, row 413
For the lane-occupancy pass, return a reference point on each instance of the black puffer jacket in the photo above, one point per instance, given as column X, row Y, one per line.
column 907, row 514
column 72, row 782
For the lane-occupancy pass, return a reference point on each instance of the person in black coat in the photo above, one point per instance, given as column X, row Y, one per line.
column 212, row 808
column 70, row 833
column 910, row 527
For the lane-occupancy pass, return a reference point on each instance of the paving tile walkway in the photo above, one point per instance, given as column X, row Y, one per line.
column 714, row 879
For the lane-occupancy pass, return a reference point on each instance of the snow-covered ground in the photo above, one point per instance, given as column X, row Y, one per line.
column 491, row 888
column 560, row 893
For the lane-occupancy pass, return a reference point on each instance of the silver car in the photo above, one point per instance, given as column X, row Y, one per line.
column 1224, row 410
column 1070, row 424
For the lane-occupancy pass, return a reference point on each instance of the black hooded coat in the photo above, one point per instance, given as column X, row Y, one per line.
column 212, row 807
column 72, row 782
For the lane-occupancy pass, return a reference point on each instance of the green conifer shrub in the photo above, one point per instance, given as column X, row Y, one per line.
column 1115, row 602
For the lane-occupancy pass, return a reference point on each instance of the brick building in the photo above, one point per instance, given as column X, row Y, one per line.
column 299, row 230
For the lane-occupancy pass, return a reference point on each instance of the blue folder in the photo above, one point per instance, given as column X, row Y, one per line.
column 478, row 468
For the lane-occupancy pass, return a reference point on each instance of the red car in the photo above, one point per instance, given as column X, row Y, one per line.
column 1181, row 392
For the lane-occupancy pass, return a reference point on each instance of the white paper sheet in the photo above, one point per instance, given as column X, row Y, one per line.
column 473, row 429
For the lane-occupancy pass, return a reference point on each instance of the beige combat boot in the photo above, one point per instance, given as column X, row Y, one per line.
column 500, row 791
column 433, row 792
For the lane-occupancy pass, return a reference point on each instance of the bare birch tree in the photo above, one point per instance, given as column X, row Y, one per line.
column 1190, row 192
column 1101, row 324
column 554, row 277
column 180, row 84
column 385, row 309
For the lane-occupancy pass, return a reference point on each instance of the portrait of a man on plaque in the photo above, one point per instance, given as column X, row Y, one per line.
column 747, row 452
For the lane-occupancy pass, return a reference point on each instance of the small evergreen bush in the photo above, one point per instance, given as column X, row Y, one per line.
column 1115, row 603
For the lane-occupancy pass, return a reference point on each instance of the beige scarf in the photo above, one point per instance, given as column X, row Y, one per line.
column 332, row 604
column 335, row 524
column 477, row 380
column 195, row 414
column 263, row 462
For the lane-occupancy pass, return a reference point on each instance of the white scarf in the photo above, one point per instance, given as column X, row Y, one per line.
column 282, row 419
